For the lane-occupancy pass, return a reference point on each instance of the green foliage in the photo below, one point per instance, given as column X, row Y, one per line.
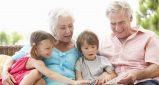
column 6, row 39
column 148, row 15
column 3, row 38
column 15, row 37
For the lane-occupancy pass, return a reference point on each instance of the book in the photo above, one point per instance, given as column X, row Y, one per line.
column 115, row 80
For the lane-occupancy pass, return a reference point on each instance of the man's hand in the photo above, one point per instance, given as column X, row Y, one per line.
column 130, row 77
column 7, row 79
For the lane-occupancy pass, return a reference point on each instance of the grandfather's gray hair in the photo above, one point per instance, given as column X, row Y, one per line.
column 119, row 5
column 54, row 15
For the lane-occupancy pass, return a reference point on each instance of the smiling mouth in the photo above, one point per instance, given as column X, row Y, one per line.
column 90, row 54
column 67, row 36
column 119, row 31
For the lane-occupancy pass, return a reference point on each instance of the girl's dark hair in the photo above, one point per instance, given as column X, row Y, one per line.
column 36, row 37
column 88, row 37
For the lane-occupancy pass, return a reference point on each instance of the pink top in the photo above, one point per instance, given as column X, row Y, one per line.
column 137, row 52
column 19, row 70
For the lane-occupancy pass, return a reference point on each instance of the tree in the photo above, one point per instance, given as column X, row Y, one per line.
column 3, row 38
column 6, row 39
column 148, row 15
column 15, row 37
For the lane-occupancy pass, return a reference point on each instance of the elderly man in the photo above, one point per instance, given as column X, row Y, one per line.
column 132, row 50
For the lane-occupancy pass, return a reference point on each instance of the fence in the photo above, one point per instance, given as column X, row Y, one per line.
column 10, row 50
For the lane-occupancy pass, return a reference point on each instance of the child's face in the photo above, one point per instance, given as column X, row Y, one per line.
column 89, row 51
column 45, row 48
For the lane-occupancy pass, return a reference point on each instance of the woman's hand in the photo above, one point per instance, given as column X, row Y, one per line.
column 7, row 79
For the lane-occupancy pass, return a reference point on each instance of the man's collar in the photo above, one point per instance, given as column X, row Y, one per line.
column 136, row 29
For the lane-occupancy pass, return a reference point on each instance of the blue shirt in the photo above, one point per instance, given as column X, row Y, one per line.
column 60, row 62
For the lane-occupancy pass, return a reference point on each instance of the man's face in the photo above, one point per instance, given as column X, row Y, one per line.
column 120, row 24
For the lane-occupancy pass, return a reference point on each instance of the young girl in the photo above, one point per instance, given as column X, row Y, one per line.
column 26, row 70
column 90, row 66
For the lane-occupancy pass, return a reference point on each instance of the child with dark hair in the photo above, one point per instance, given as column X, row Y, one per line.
column 90, row 66
column 28, row 69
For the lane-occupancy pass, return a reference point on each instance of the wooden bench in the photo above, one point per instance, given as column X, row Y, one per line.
column 6, row 52
column 10, row 50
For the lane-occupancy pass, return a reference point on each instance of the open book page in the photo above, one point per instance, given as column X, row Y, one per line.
column 115, row 80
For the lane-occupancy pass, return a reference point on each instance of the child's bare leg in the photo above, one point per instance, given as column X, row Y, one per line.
column 41, row 81
column 31, row 78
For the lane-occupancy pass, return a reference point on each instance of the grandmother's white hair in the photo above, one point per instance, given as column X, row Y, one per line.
column 119, row 5
column 54, row 15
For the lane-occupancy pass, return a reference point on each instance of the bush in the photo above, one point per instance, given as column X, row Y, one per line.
column 148, row 15
column 6, row 39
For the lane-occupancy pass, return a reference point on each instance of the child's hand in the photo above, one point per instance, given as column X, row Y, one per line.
column 105, row 77
column 102, row 79
column 7, row 79
column 82, row 82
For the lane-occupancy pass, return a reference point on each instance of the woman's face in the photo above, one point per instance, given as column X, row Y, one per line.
column 64, row 28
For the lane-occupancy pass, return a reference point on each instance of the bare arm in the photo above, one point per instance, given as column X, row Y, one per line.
column 40, row 66
column 8, row 65
column 78, row 75
column 113, row 75
column 6, row 76
column 149, row 72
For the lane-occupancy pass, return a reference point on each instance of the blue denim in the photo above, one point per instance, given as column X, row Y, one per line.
column 149, row 82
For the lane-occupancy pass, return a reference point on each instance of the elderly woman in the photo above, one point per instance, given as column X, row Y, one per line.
column 64, row 55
